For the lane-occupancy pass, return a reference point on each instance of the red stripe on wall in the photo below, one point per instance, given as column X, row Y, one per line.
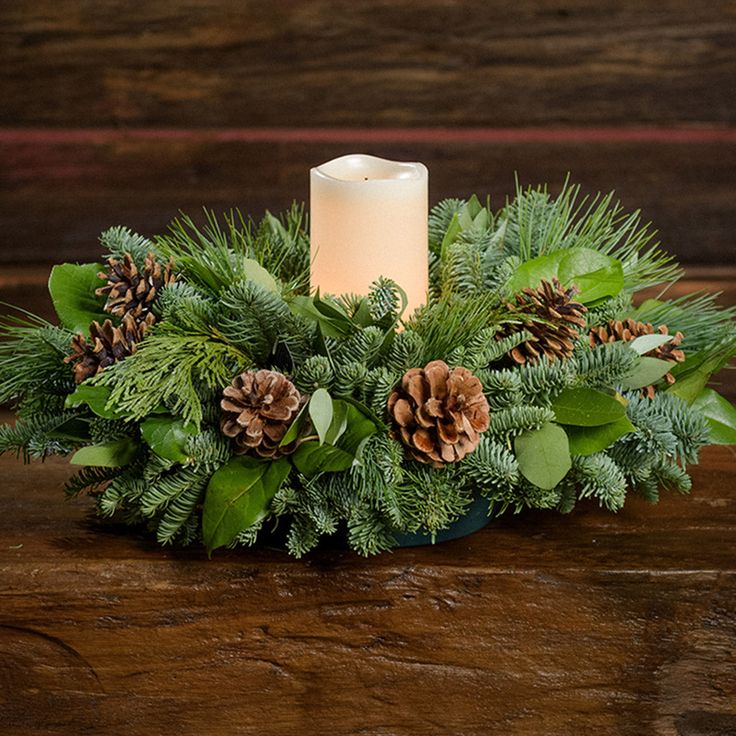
column 375, row 135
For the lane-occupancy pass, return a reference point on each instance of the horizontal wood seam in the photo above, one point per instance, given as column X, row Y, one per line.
column 550, row 135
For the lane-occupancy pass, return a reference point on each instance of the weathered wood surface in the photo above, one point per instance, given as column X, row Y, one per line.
column 57, row 195
column 539, row 624
column 266, row 63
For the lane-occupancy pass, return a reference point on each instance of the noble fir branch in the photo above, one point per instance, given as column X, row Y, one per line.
column 174, row 369
column 492, row 469
column 369, row 532
column 461, row 268
column 507, row 423
column 32, row 353
column 89, row 480
column 385, row 301
column 38, row 436
column 605, row 365
column 599, row 477
column 119, row 240
column 431, row 499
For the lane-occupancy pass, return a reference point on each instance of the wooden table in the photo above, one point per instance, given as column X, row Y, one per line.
column 539, row 624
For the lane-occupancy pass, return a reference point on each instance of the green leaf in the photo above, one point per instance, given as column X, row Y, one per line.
column 644, row 343
column 320, row 412
column 95, row 397
column 339, row 422
column 586, row 407
column 589, row 440
column 543, row 455
column 167, row 436
column 238, row 495
column 721, row 416
column 259, row 275
column 598, row 285
column 694, row 373
column 304, row 306
column 648, row 371
column 108, row 455
column 72, row 288
column 453, row 230
column 596, row 275
column 312, row 458
column 295, row 427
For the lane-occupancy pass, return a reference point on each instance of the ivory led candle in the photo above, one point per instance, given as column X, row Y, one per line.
column 368, row 219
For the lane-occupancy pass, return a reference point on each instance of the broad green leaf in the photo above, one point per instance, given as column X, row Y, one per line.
column 295, row 427
column 453, row 230
column 648, row 371
column 95, row 397
column 721, row 416
column 167, row 436
column 589, row 440
column 694, row 373
column 597, row 285
column 530, row 273
column 645, row 343
column 586, row 407
column 238, row 495
column 312, row 458
column 543, row 455
column 108, row 455
column 320, row 412
column 72, row 288
column 304, row 306
column 339, row 422
column 75, row 429
column 259, row 275
column 596, row 275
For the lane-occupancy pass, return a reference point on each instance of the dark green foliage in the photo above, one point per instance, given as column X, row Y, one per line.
column 241, row 302
column 38, row 436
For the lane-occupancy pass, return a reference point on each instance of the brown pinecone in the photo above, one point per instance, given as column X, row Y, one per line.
column 258, row 408
column 439, row 413
column 107, row 345
column 628, row 330
column 552, row 322
column 131, row 291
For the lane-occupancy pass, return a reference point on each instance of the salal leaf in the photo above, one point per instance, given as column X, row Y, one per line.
column 95, row 397
column 694, row 373
column 259, row 275
column 167, row 436
column 295, row 427
column 596, row 275
column 646, row 372
column 320, row 412
column 543, row 455
column 348, row 432
column 645, row 343
column 72, row 289
column 587, row 407
column 589, row 440
column 238, row 495
column 720, row 414
column 113, row 454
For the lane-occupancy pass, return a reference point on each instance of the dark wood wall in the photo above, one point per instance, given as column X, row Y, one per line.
column 119, row 112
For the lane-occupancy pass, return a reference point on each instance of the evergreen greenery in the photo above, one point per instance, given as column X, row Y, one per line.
column 241, row 302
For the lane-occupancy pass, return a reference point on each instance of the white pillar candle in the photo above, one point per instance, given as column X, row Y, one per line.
column 368, row 218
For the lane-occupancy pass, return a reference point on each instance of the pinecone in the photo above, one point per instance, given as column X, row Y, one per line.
column 439, row 413
column 258, row 408
column 106, row 346
column 554, row 331
column 628, row 330
column 130, row 291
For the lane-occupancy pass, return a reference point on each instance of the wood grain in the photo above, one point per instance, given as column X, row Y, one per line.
column 279, row 63
column 538, row 624
column 58, row 195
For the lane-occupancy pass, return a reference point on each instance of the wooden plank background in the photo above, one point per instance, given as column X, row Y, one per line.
column 112, row 113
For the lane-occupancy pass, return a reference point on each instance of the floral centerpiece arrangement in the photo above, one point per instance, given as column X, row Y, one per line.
column 208, row 395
